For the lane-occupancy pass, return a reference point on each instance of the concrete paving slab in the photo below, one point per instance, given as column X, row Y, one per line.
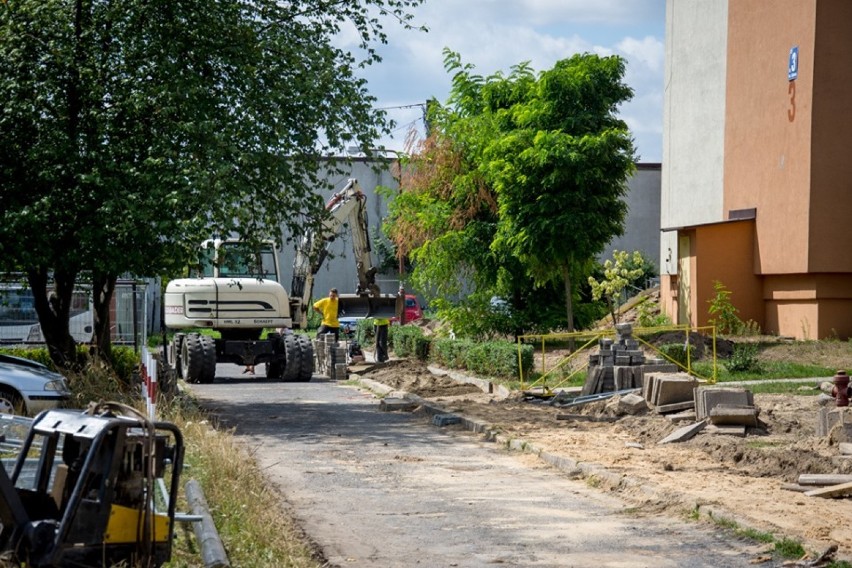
column 684, row 433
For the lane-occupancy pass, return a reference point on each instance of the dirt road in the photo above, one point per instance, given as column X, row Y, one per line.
column 739, row 478
column 389, row 489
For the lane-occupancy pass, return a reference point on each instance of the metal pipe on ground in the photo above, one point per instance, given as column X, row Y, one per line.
column 586, row 399
column 212, row 551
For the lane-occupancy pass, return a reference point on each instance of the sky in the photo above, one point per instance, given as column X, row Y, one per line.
column 494, row 35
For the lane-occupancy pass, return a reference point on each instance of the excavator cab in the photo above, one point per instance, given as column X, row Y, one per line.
column 91, row 489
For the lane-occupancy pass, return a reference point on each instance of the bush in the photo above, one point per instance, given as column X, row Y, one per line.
column 407, row 340
column 451, row 352
column 743, row 359
column 497, row 359
column 678, row 352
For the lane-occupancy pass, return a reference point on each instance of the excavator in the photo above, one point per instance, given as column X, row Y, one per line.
column 239, row 294
column 89, row 488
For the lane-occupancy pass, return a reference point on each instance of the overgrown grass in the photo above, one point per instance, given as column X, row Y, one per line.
column 246, row 510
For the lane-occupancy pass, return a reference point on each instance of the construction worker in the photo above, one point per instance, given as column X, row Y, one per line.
column 327, row 307
column 380, row 327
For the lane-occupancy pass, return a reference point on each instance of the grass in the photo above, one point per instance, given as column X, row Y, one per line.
column 247, row 512
column 784, row 547
column 806, row 388
column 768, row 370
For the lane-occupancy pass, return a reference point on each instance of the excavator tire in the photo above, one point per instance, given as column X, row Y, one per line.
column 294, row 359
column 192, row 358
column 275, row 368
column 208, row 362
column 178, row 355
column 306, row 369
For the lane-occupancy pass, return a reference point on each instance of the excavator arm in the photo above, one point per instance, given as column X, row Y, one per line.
column 347, row 207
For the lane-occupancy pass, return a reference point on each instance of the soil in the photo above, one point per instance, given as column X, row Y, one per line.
column 738, row 477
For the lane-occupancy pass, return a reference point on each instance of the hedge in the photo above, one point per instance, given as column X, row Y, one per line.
column 497, row 359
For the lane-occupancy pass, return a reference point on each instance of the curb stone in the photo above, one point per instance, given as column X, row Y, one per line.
column 566, row 464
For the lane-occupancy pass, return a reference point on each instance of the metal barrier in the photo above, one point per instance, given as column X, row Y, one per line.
column 590, row 339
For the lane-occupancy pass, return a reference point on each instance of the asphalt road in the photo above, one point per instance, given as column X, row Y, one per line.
column 387, row 489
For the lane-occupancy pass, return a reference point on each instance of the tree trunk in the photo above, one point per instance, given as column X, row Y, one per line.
column 569, row 298
column 54, row 309
column 103, row 288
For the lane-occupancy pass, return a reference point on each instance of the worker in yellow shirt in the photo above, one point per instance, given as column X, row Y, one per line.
column 380, row 326
column 327, row 308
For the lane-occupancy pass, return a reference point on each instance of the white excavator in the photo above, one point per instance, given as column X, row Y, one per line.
column 239, row 294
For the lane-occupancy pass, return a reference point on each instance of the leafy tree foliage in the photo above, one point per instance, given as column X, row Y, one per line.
column 518, row 185
column 132, row 130
column 618, row 273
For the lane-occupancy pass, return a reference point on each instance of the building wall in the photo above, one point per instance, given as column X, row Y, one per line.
column 768, row 127
column 809, row 306
column 831, row 180
column 642, row 226
column 693, row 113
column 725, row 253
column 693, row 134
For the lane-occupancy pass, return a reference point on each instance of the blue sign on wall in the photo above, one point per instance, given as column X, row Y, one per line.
column 793, row 64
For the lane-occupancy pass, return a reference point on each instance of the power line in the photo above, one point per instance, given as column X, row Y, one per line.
column 413, row 105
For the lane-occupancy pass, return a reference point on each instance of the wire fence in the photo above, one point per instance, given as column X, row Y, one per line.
column 130, row 316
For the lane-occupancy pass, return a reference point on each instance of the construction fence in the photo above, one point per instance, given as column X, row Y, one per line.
column 134, row 313
column 563, row 358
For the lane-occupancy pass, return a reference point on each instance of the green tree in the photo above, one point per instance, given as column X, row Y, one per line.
column 561, row 166
column 133, row 130
column 519, row 184
column 618, row 273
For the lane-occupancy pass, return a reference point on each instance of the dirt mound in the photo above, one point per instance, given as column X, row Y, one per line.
column 411, row 375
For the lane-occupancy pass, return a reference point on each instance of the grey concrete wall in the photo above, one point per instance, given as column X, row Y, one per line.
column 642, row 226
column 693, row 117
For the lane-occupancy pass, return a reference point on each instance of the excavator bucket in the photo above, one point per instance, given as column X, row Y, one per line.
column 383, row 306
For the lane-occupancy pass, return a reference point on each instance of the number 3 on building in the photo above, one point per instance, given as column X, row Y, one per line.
column 791, row 112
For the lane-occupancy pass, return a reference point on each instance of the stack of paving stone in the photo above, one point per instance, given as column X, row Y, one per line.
column 620, row 364
column 670, row 392
column 729, row 410
column 331, row 358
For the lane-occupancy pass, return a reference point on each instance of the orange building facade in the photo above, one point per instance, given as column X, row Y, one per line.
column 776, row 228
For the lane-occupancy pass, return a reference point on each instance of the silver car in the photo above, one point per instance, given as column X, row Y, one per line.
column 28, row 387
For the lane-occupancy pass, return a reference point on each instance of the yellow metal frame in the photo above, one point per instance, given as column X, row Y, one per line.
column 591, row 338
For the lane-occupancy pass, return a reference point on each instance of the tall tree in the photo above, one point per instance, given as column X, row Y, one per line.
column 519, row 184
column 131, row 130
column 560, row 169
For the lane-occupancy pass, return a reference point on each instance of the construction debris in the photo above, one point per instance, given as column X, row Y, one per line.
column 823, row 479
column 730, row 415
column 685, row 433
column 841, row 489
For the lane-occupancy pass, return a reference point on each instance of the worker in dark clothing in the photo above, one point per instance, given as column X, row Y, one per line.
column 380, row 326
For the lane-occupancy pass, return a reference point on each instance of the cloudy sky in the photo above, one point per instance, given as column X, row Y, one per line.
column 493, row 35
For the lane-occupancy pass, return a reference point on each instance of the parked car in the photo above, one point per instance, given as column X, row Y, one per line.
column 413, row 311
column 28, row 387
